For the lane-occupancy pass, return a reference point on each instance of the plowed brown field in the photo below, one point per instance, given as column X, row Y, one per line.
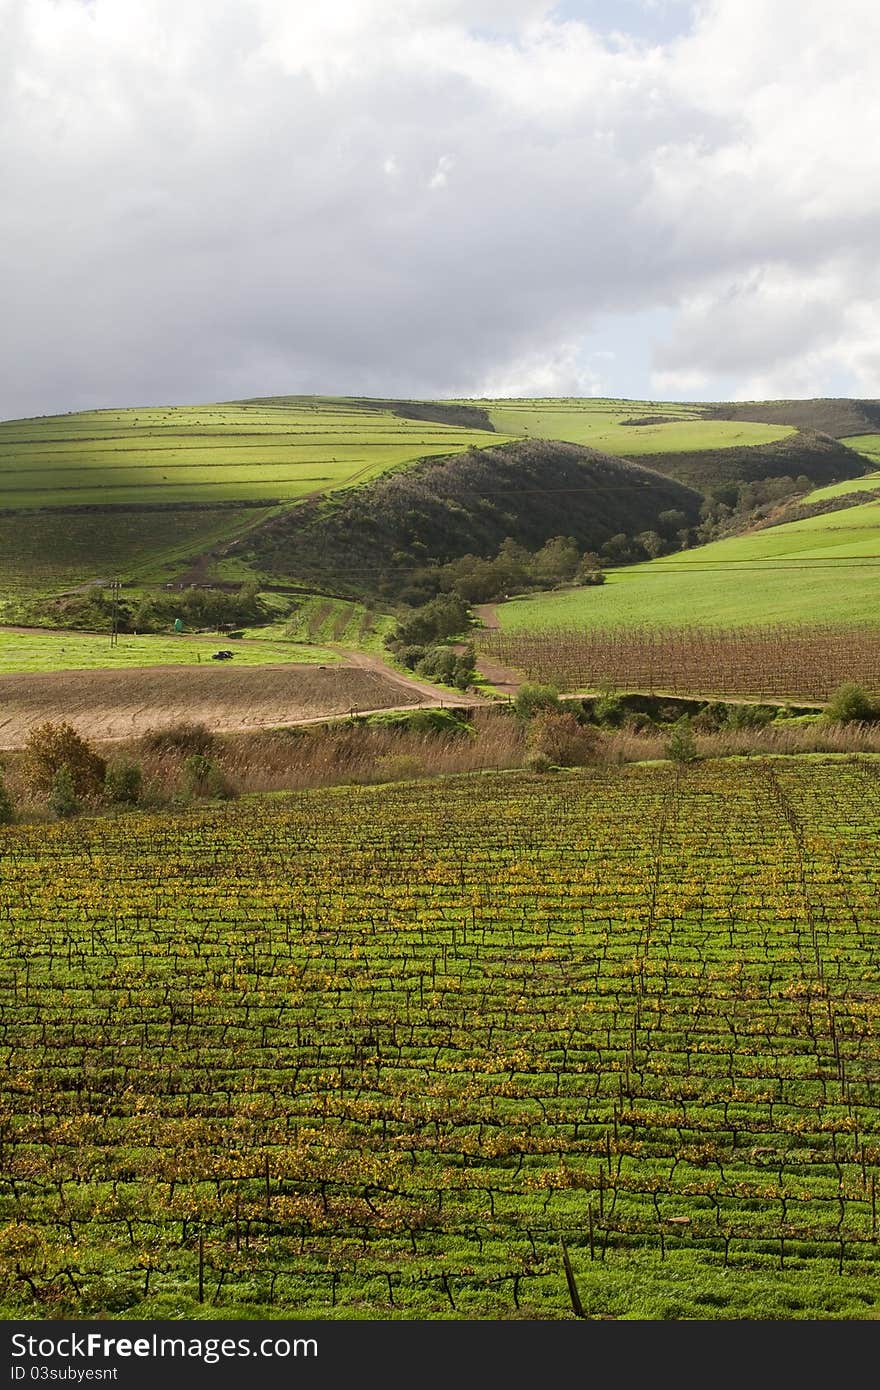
column 123, row 704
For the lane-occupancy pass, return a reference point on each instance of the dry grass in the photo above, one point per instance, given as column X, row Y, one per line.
column 297, row 759
column 627, row 746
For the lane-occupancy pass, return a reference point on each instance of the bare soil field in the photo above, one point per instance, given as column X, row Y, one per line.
column 124, row 704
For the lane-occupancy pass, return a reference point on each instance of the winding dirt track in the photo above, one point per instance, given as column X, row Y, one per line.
column 125, row 703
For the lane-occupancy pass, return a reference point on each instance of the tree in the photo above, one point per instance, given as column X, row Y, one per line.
column 52, row 746
column 681, row 746
column 850, row 704
column 557, row 561
column 62, row 793
column 531, row 698
column 651, row 542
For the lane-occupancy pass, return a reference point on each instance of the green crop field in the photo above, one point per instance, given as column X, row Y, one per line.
column 276, row 451
column 869, row 483
column 50, row 552
column 602, row 425
column 867, row 444
column 825, row 568
column 76, row 651
column 375, row 1052
column 179, row 481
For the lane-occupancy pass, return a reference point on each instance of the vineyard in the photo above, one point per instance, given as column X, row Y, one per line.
column 772, row 663
column 378, row 1052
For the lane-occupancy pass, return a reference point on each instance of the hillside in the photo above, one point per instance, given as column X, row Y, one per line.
column 145, row 493
column 821, row 568
column 140, row 491
column 816, row 456
column 628, row 428
column 837, row 416
column 370, row 538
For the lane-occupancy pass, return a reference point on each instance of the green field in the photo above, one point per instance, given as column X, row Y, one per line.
column 250, row 452
column 823, row 569
column 179, row 481
column 600, row 424
column 53, row 552
column 73, row 651
column 374, row 1052
column 867, row 444
column 869, row 483
column 321, row 619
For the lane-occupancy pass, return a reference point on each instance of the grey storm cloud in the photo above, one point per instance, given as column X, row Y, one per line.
column 206, row 200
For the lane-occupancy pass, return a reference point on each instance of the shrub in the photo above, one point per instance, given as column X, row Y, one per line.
column 536, row 761
column 557, row 736
column 609, row 709
column 62, row 793
column 181, row 738
column 203, row 777
column 449, row 666
column 850, row 704
column 532, row 698
column 53, row 746
column 750, row 716
column 681, row 746
column 123, row 782
column 7, row 810
column 711, row 718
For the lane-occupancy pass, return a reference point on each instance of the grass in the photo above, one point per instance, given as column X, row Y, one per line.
column 72, row 651
column 371, row 1052
column 600, row 424
column 867, row 444
column 823, row 568
column 849, row 487
column 276, row 452
column 182, row 481
column 50, row 552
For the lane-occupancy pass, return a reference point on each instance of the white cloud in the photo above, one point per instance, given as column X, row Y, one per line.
column 218, row 199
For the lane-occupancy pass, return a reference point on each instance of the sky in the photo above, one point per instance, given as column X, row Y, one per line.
column 202, row 200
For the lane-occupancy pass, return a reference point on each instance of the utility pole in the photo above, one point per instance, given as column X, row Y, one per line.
column 115, row 586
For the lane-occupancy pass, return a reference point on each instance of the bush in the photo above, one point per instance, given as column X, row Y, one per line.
column 179, row 738
column 62, row 793
column 7, row 810
column 557, row 736
column 750, row 716
column 203, row 777
column 449, row 666
column 609, row 709
column 711, row 718
column 536, row 761
column 850, row 704
column 422, row 721
column 530, row 699
column 123, row 782
column 681, row 746
column 51, row 747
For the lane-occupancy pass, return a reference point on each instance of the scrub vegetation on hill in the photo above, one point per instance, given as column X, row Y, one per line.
column 375, row 537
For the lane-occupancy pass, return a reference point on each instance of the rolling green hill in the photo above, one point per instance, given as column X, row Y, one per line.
column 835, row 415
column 139, row 492
column 628, row 428
column 822, row 568
column 325, row 491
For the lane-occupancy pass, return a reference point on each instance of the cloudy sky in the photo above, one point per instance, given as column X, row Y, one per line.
column 204, row 199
